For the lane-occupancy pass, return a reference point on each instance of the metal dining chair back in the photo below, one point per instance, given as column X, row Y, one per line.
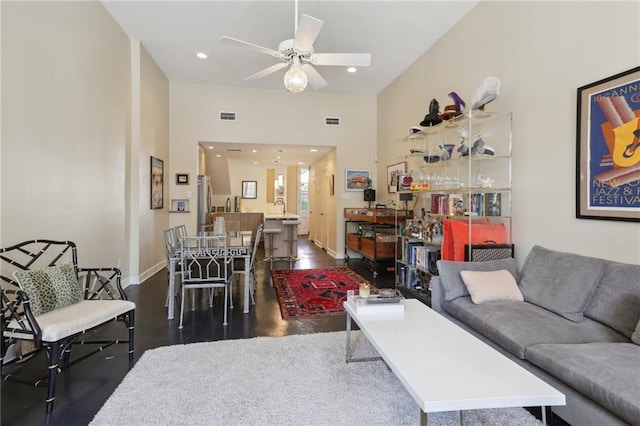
column 180, row 231
column 170, row 245
column 205, row 264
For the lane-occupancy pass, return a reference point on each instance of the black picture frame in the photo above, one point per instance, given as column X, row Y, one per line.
column 249, row 189
column 156, row 183
column 182, row 178
column 608, row 148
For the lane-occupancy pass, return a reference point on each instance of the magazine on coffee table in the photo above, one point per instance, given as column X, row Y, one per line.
column 387, row 301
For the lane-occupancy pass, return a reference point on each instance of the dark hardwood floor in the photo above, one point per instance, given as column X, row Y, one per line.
column 82, row 390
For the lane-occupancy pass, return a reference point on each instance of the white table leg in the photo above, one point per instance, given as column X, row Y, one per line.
column 172, row 286
column 247, row 285
column 544, row 415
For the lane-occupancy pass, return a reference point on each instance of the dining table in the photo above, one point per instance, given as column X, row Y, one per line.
column 235, row 250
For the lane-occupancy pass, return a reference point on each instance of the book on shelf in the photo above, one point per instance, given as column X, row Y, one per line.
column 493, row 204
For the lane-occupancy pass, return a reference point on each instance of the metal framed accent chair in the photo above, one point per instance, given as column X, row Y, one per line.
column 50, row 304
column 205, row 264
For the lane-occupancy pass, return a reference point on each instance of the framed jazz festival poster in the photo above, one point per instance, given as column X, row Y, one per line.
column 608, row 148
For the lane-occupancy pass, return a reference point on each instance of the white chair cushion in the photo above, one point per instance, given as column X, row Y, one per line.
column 72, row 319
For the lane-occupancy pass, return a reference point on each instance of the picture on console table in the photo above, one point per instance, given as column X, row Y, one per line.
column 393, row 172
column 608, row 148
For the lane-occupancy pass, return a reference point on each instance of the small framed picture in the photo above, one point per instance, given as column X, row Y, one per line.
column 182, row 178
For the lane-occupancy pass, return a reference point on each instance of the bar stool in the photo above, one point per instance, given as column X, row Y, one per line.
column 271, row 232
column 292, row 238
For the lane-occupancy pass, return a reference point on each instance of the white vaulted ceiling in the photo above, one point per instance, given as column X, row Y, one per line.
column 396, row 33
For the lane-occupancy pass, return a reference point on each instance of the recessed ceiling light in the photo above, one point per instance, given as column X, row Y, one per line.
column 313, row 150
column 218, row 155
column 210, row 147
column 255, row 150
column 202, row 55
column 300, row 163
column 352, row 69
column 255, row 162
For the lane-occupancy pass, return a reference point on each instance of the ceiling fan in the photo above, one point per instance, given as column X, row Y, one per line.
column 297, row 54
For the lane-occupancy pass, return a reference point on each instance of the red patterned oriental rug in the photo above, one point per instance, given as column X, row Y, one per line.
column 313, row 293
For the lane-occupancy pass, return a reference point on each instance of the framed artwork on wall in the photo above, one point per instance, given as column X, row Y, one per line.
column 182, row 178
column 393, row 172
column 249, row 189
column 357, row 180
column 608, row 148
column 156, row 190
column 332, row 182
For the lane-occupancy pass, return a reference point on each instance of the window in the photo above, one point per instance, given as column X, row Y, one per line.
column 304, row 190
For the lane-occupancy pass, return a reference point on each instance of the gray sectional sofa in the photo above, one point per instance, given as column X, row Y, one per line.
column 578, row 327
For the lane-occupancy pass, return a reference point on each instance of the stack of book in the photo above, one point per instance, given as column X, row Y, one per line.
column 386, row 303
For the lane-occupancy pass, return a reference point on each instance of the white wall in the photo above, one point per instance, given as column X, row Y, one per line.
column 272, row 117
column 65, row 127
column 542, row 52
column 154, row 141
column 75, row 161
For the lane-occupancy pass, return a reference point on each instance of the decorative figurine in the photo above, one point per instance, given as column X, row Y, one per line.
column 463, row 149
column 487, row 92
column 432, row 119
column 451, row 111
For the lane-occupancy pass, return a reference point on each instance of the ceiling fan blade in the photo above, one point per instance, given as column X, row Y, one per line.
column 307, row 32
column 315, row 79
column 265, row 72
column 235, row 42
column 342, row 59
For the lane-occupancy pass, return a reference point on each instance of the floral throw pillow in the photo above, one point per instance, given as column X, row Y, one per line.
column 50, row 288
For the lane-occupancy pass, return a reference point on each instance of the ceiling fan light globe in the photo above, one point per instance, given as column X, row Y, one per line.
column 295, row 80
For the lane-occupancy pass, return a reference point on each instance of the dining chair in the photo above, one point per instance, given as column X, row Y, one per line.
column 239, row 267
column 180, row 231
column 205, row 264
column 170, row 244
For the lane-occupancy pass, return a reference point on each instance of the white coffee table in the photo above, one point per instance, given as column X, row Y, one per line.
column 444, row 367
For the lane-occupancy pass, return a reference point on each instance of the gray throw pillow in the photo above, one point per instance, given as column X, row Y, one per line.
column 452, row 284
column 50, row 288
column 560, row 282
column 635, row 337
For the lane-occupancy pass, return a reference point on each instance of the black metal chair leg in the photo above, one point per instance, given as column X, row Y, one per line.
column 53, row 352
column 130, row 325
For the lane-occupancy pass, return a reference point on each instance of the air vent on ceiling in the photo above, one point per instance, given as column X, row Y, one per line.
column 228, row 116
column 331, row 121
column 234, row 150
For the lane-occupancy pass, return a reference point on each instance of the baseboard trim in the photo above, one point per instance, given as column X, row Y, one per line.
column 139, row 279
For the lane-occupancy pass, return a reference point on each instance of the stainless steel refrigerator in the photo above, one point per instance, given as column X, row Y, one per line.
column 205, row 199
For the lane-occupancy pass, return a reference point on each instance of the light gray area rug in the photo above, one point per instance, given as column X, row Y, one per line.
column 292, row 380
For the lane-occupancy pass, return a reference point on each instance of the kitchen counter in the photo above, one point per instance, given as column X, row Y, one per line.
column 285, row 243
column 281, row 216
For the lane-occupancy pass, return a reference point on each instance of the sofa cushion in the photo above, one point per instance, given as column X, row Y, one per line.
column 517, row 325
column 50, row 288
column 616, row 300
column 488, row 286
column 451, row 280
column 635, row 337
column 605, row 372
column 560, row 282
